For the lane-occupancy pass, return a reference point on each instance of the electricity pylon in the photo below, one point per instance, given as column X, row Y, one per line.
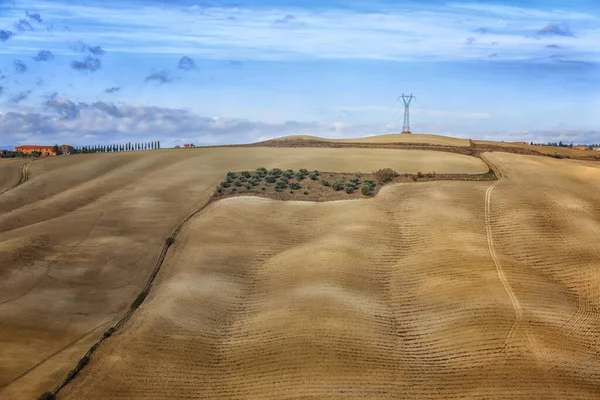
column 407, row 100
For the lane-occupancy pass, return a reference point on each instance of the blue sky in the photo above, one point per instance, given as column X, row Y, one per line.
column 216, row 72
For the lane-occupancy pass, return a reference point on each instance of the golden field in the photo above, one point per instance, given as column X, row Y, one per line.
column 434, row 290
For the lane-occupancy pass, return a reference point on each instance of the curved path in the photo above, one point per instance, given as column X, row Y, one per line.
column 490, row 241
column 24, row 176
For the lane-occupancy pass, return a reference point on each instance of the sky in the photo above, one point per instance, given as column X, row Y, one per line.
column 217, row 72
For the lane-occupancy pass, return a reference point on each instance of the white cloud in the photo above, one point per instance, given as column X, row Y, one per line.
column 395, row 33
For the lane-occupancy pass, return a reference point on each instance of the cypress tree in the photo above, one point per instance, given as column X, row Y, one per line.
column 159, row 144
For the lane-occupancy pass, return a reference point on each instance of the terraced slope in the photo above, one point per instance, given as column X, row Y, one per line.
column 440, row 290
column 80, row 238
column 10, row 173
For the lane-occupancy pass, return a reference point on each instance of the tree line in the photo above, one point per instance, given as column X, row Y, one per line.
column 113, row 148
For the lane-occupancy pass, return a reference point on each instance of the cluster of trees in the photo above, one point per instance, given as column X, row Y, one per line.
column 113, row 148
column 561, row 144
column 17, row 154
column 366, row 186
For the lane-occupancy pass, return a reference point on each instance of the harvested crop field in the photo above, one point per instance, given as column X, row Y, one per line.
column 420, row 138
column 80, row 238
column 436, row 290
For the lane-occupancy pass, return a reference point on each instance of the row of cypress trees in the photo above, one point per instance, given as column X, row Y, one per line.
column 115, row 148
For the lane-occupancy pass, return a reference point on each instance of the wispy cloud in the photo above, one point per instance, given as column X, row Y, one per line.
column 556, row 30
column 396, row 32
column 113, row 89
column 19, row 97
column 5, row 35
column 20, row 66
column 89, row 63
column 288, row 18
column 186, row 64
column 81, row 47
column 23, row 25
column 160, row 77
column 44, row 55
column 34, row 16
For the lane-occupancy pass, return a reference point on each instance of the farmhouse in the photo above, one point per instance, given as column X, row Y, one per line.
column 596, row 148
column 29, row 149
column 580, row 147
column 66, row 149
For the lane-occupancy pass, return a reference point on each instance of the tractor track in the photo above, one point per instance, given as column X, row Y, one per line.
column 490, row 241
column 24, row 176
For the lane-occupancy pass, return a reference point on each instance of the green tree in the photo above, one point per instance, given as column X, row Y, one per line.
column 55, row 149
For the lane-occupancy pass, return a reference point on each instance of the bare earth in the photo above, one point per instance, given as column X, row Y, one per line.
column 437, row 290
column 80, row 238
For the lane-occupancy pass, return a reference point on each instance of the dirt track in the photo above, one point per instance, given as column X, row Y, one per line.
column 13, row 172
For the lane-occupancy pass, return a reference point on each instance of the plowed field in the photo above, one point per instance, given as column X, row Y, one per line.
column 437, row 290
column 81, row 236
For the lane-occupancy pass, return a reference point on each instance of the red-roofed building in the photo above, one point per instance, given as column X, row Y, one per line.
column 29, row 149
column 186, row 145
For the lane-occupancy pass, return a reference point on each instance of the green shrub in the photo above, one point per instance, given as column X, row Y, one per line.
column 313, row 176
column 365, row 189
column 289, row 173
column 303, row 171
column 349, row 189
column 337, row 185
column 219, row 189
column 419, row 174
column 225, row 184
column 254, row 183
column 275, row 172
column 295, row 186
column 238, row 183
column 246, row 174
column 261, row 171
column 356, row 181
column 284, row 179
column 299, row 176
column 291, row 192
column 385, row 175
column 369, row 182
column 231, row 174
column 234, row 190
column 325, row 183
column 242, row 179
column 316, row 172
column 256, row 177
column 271, row 179
column 263, row 188
column 305, row 192
column 280, row 185
column 248, row 186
